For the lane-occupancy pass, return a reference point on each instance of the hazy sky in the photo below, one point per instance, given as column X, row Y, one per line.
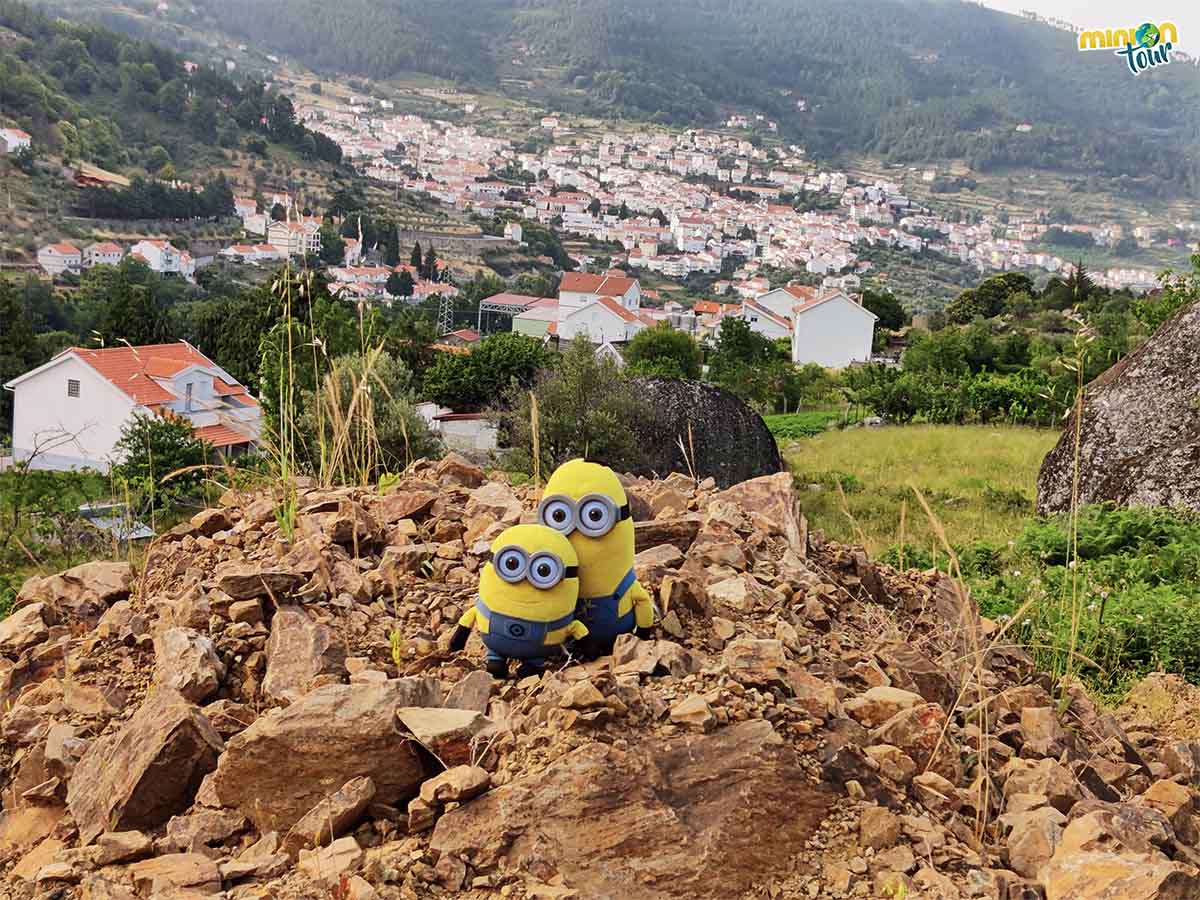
column 1112, row 14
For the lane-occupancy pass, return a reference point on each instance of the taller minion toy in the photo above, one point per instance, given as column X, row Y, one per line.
column 527, row 598
column 585, row 502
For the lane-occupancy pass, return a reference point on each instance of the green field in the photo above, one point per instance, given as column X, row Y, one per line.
column 979, row 482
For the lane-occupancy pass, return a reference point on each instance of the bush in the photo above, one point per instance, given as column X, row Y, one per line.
column 1129, row 606
column 586, row 409
column 159, row 458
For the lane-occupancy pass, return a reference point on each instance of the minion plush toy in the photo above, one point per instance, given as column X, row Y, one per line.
column 527, row 596
column 585, row 502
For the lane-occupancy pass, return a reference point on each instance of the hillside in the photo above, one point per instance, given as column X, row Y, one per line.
column 89, row 94
column 904, row 80
column 256, row 715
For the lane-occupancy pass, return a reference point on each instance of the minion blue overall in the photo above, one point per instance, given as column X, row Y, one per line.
column 585, row 502
column 527, row 598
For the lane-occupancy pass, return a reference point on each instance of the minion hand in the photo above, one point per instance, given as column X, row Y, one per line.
column 459, row 641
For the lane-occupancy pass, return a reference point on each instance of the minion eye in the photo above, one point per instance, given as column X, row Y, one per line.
column 511, row 564
column 545, row 571
column 596, row 517
column 557, row 513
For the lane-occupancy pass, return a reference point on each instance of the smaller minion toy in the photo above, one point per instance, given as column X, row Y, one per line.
column 527, row 596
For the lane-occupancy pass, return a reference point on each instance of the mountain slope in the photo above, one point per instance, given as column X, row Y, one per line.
column 905, row 80
column 87, row 93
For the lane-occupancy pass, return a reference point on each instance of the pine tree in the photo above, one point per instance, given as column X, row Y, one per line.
column 431, row 269
column 415, row 259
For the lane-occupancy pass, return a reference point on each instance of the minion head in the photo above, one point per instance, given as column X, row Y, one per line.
column 533, row 573
column 585, row 502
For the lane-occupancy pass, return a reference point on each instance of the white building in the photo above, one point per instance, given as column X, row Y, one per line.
column 164, row 258
column 103, row 253
column 59, row 258
column 68, row 413
column 295, row 238
column 513, row 232
column 603, row 321
column 828, row 327
column 14, row 139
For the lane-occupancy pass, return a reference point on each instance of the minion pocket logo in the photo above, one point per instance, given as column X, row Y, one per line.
column 1144, row 47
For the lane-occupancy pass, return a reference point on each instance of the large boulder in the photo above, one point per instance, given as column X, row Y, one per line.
column 147, row 771
column 1140, row 434
column 290, row 760
column 697, row 817
column 730, row 440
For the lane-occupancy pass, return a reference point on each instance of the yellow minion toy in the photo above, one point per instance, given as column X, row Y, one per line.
column 585, row 502
column 527, row 597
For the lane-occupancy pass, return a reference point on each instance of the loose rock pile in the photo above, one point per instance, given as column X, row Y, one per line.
column 265, row 715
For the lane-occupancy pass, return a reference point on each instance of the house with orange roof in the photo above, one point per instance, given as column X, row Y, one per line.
column 60, row 258
column 68, row 413
column 603, row 321
column 578, row 289
column 14, row 139
column 102, row 253
column 164, row 258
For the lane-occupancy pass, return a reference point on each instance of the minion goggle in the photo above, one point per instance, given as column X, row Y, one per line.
column 593, row 515
column 543, row 569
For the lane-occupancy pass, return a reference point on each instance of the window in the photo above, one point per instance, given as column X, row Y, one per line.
column 187, row 405
column 72, row 387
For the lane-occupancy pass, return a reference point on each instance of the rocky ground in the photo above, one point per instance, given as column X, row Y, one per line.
column 254, row 716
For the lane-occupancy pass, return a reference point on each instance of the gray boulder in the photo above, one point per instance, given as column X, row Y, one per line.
column 731, row 441
column 1140, row 436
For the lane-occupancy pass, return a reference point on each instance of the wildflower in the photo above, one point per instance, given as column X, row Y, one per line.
column 1092, row 607
column 1072, row 564
column 1027, row 622
column 1141, row 618
column 1104, row 595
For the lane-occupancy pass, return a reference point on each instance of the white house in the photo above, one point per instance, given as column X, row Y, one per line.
column 164, row 258
column 68, row 413
column 296, row 238
column 603, row 321
column 14, row 139
column 833, row 330
column 577, row 289
column 102, row 253
column 59, row 258
column 513, row 232
column 765, row 321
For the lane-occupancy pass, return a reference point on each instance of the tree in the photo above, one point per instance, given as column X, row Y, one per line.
column 333, row 251
column 278, row 212
column 885, row 305
column 154, row 448
column 966, row 307
column 746, row 363
column 472, row 381
column 132, row 301
column 430, row 269
column 395, row 283
column 18, row 348
column 585, row 409
column 663, row 352
column 415, row 259
column 943, row 351
column 389, row 243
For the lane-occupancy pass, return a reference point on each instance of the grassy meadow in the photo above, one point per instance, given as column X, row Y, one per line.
column 978, row 480
column 1117, row 601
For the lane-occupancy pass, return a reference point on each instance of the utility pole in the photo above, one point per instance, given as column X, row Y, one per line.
column 445, row 314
